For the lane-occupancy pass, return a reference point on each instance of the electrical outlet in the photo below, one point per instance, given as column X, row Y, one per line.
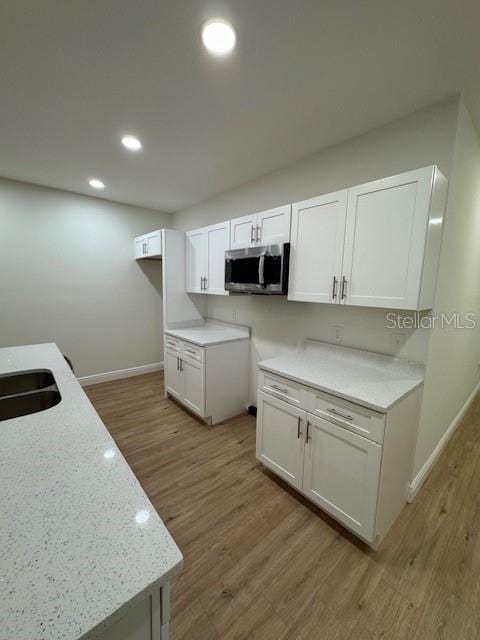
column 337, row 333
column 397, row 340
column 234, row 315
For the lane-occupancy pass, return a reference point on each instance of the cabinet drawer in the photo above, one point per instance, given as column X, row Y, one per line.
column 287, row 390
column 366, row 422
column 194, row 351
column 173, row 343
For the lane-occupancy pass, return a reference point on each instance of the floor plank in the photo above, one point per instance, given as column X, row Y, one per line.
column 262, row 563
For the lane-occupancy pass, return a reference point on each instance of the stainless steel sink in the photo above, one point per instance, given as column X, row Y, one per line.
column 25, row 381
column 26, row 403
column 28, row 392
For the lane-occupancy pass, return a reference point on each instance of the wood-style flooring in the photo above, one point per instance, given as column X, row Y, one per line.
column 262, row 563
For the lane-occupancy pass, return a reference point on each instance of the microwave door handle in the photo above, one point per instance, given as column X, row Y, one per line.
column 261, row 270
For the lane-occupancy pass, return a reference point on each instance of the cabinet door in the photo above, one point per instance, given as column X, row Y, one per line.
column 217, row 241
column 385, row 240
column 318, row 233
column 194, row 385
column 273, row 226
column 280, row 432
column 341, row 474
column 154, row 244
column 173, row 375
column 139, row 247
column 242, row 232
column 195, row 250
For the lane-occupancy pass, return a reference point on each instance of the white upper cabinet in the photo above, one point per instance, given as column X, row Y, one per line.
column 154, row 243
column 273, row 226
column 139, row 244
column 387, row 226
column 205, row 255
column 266, row 227
column 375, row 245
column 195, row 260
column 148, row 246
column 243, row 232
column 217, row 238
column 318, row 232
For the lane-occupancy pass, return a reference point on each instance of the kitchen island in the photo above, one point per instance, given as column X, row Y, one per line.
column 83, row 553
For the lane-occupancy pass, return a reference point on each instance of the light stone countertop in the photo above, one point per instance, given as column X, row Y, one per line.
column 211, row 332
column 80, row 541
column 370, row 379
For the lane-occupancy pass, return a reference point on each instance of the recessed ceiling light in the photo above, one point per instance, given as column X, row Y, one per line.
column 96, row 183
column 131, row 143
column 218, row 37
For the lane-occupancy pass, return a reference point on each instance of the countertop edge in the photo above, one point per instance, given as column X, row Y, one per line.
column 116, row 615
column 339, row 394
column 203, row 343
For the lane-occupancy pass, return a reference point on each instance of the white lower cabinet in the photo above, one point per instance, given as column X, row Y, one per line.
column 148, row 619
column 194, row 385
column 279, row 438
column 203, row 378
column 341, row 474
column 185, row 380
column 361, row 480
column 174, row 383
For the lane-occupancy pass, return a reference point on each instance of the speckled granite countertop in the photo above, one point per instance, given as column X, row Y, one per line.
column 212, row 332
column 371, row 379
column 79, row 539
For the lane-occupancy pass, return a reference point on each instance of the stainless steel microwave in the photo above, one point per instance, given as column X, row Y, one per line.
column 258, row 270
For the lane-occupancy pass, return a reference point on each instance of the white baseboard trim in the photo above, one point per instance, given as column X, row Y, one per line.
column 421, row 476
column 97, row 378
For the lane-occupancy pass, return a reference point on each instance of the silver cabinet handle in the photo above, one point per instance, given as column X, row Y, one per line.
column 194, row 353
column 178, row 364
column 258, row 234
column 299, row 433
column 277, row 388
column 307, row 435
column 205, row 284
column 340, row 414
column 201, row 283
column 261, row 270
column 344, row 288
column 252, row 234
column 334, row 288
column 181, row 364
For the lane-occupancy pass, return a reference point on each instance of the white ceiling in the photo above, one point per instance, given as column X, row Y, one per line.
column 75, row 75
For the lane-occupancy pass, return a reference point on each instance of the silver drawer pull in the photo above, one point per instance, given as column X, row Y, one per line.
column 194, row 353
column 340, row 414
column 277, row 388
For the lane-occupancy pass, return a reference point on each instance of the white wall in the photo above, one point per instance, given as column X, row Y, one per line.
column 454, row 355
column 420, row 139
column 67, row 275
